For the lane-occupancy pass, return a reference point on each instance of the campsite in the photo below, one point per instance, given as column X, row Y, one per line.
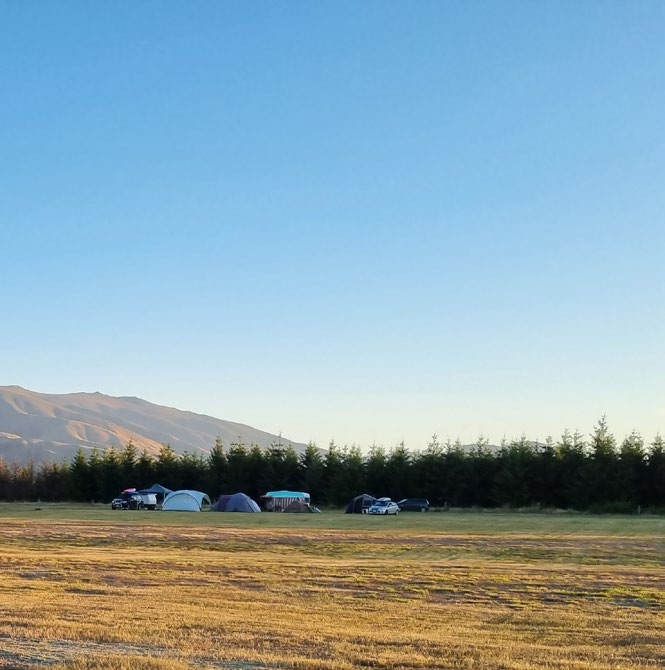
column 325, row 591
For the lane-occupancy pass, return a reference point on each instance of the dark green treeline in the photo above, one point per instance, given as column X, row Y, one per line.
column 596, row 474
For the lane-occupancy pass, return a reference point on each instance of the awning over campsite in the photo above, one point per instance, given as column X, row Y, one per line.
column 156, row 489
column 278, row 501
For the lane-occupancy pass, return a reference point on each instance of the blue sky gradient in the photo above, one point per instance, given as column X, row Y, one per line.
column 366, row 222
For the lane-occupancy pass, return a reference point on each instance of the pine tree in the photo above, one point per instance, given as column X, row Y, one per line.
column 217, row 470
column 312, row 471
column 655, row 475
column 632, row 466
column 602, row 478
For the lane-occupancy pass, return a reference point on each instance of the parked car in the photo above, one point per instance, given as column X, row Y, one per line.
column 383, row 506
column 414, row 505
column 124, row 500
column 134, row 500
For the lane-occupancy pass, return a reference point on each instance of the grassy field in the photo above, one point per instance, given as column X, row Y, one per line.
column 87, row 588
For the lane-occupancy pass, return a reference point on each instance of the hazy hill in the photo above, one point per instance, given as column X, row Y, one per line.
column 48, row 427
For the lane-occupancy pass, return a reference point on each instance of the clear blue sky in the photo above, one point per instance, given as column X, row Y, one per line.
column 362, row 221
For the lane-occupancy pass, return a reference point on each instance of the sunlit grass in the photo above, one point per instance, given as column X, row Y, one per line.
column 91, row 589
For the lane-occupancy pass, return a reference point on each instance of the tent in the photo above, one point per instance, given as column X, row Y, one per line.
column 360, row 504
column 160, row 492
column 157, row 489
column 298, row 507
column 238, row 502
column 220, row 503
column 185, row 501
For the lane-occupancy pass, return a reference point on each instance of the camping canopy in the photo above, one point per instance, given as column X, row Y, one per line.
column 185, row 501
column 359, row 504
column 156, row 489
column 238, row 502
column 288, row 494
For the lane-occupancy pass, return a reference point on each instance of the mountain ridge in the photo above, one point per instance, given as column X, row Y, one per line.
column 45, row 427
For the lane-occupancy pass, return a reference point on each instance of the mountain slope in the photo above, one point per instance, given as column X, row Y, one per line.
column 49, row 427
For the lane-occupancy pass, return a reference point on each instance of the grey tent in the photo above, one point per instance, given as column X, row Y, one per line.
column 360, row 504
column 157, row 489
column 298, row 507
column 160, row 491
column 238, row 502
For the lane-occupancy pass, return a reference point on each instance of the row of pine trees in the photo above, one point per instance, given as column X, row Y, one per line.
column 595, row 473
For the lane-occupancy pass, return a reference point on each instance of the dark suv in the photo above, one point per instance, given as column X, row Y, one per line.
column 414, row 505
column 127, row 501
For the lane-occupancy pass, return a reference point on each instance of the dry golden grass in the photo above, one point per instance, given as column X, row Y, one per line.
column 147, row 595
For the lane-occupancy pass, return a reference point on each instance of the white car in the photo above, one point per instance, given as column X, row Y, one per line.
column 383, row 506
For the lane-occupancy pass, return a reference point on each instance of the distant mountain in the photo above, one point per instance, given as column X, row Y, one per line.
column 46, row 427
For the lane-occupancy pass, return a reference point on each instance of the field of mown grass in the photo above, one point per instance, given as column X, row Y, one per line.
column 87, row 588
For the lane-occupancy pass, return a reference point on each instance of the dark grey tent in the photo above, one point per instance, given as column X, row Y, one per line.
column 238, row 502
column 158, row 490
column 360, row 504
column 299, row 507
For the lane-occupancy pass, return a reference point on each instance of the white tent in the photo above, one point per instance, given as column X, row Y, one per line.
column 185, row 501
